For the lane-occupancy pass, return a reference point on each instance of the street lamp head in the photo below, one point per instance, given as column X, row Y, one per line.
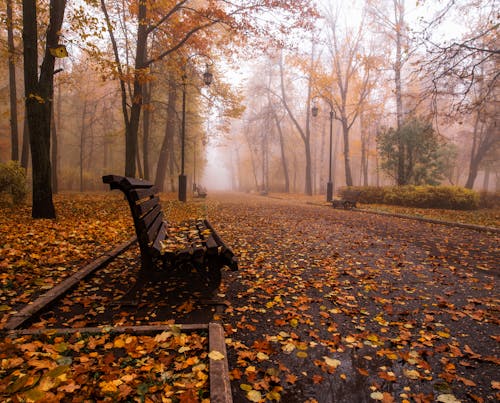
column 315, row 110
column 207, row 76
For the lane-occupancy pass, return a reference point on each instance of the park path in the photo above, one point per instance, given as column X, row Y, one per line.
column 401, row 309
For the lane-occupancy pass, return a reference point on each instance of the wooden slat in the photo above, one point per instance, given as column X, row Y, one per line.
column 139, row 194
column 143, row 208
column 150, row 217
column 160, row 236
column 133, row 183
column 152, row 231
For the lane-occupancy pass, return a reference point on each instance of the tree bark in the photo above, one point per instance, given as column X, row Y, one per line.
column 305, row 134
column 146, row 128
column 284, row 162
column 168, row 139
column 25, row 152
column 39, row 91
column 54, row 152
column 399, row 23
column 137, row 97
column 12, row 86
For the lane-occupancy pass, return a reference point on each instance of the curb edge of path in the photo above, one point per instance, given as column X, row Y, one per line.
column 423, row 219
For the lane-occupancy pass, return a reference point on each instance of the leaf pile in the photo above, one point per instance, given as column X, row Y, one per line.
column 171, row 366
column 35, row 255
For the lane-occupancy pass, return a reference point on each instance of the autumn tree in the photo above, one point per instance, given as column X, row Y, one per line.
column 389, row 16
column 352, row 71
column 179, row 23
column 304, row 129
column 39, row 91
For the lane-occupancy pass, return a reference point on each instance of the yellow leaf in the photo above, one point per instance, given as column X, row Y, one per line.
column 447, row 398
column 108, row 387
column 246, row 387
column 273, row 396
column 59, row 51
column 262, row 356
column 301, row 354
column 377, row 395
column 331, row 362
column 411, row 374
column 215, row 355
column 254, row 396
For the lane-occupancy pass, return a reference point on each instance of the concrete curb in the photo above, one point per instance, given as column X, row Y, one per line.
column 32, row 308
column 433, row 221
column 423, row 219
column 220, row 386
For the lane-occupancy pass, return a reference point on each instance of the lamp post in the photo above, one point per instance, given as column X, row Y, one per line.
column 314, row 112
column 207, row 80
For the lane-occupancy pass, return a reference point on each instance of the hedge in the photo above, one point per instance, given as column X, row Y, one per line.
column 441, row 197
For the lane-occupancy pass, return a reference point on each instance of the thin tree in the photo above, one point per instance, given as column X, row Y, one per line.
column 353, row 81
column 304, row 131
column 392, row 19
column 12, row 84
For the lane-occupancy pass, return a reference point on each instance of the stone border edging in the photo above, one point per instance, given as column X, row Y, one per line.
column 33, row 307
column 432, row 220
column 424, row 219
column 220, row 386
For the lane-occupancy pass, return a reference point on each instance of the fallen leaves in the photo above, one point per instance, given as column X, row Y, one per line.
column 327, row 298
column 105, row 366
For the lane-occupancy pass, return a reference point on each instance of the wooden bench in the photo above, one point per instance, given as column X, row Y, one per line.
column 348, row 200
column 192, row 245
column 200, row 191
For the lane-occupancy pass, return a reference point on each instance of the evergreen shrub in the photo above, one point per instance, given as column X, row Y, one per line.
column 13, row 181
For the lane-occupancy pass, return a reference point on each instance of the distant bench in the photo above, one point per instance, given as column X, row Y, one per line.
column 348, row 200
column 192, row 245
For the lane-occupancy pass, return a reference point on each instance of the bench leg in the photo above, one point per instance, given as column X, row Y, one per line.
column 210, row 272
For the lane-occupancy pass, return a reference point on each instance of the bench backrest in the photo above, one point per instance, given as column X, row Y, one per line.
column 142, row 197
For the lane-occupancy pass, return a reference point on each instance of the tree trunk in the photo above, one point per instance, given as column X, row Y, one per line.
column 39, row 93
column 168, row 139
column 284, row 162
column 54, row 152
column 82, row 143
column 135, row 112
column 304, row 134
column 398, row 17
column 347, row 159
column 12, row 86
column 25, row 152
column 146, row 127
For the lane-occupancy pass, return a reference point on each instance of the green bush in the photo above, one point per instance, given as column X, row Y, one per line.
column 13, row 181
column 443, row 197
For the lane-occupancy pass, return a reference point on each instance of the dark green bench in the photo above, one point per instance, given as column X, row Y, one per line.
column 192, row 245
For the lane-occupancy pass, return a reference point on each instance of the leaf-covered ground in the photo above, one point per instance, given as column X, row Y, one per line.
column 328, row 305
